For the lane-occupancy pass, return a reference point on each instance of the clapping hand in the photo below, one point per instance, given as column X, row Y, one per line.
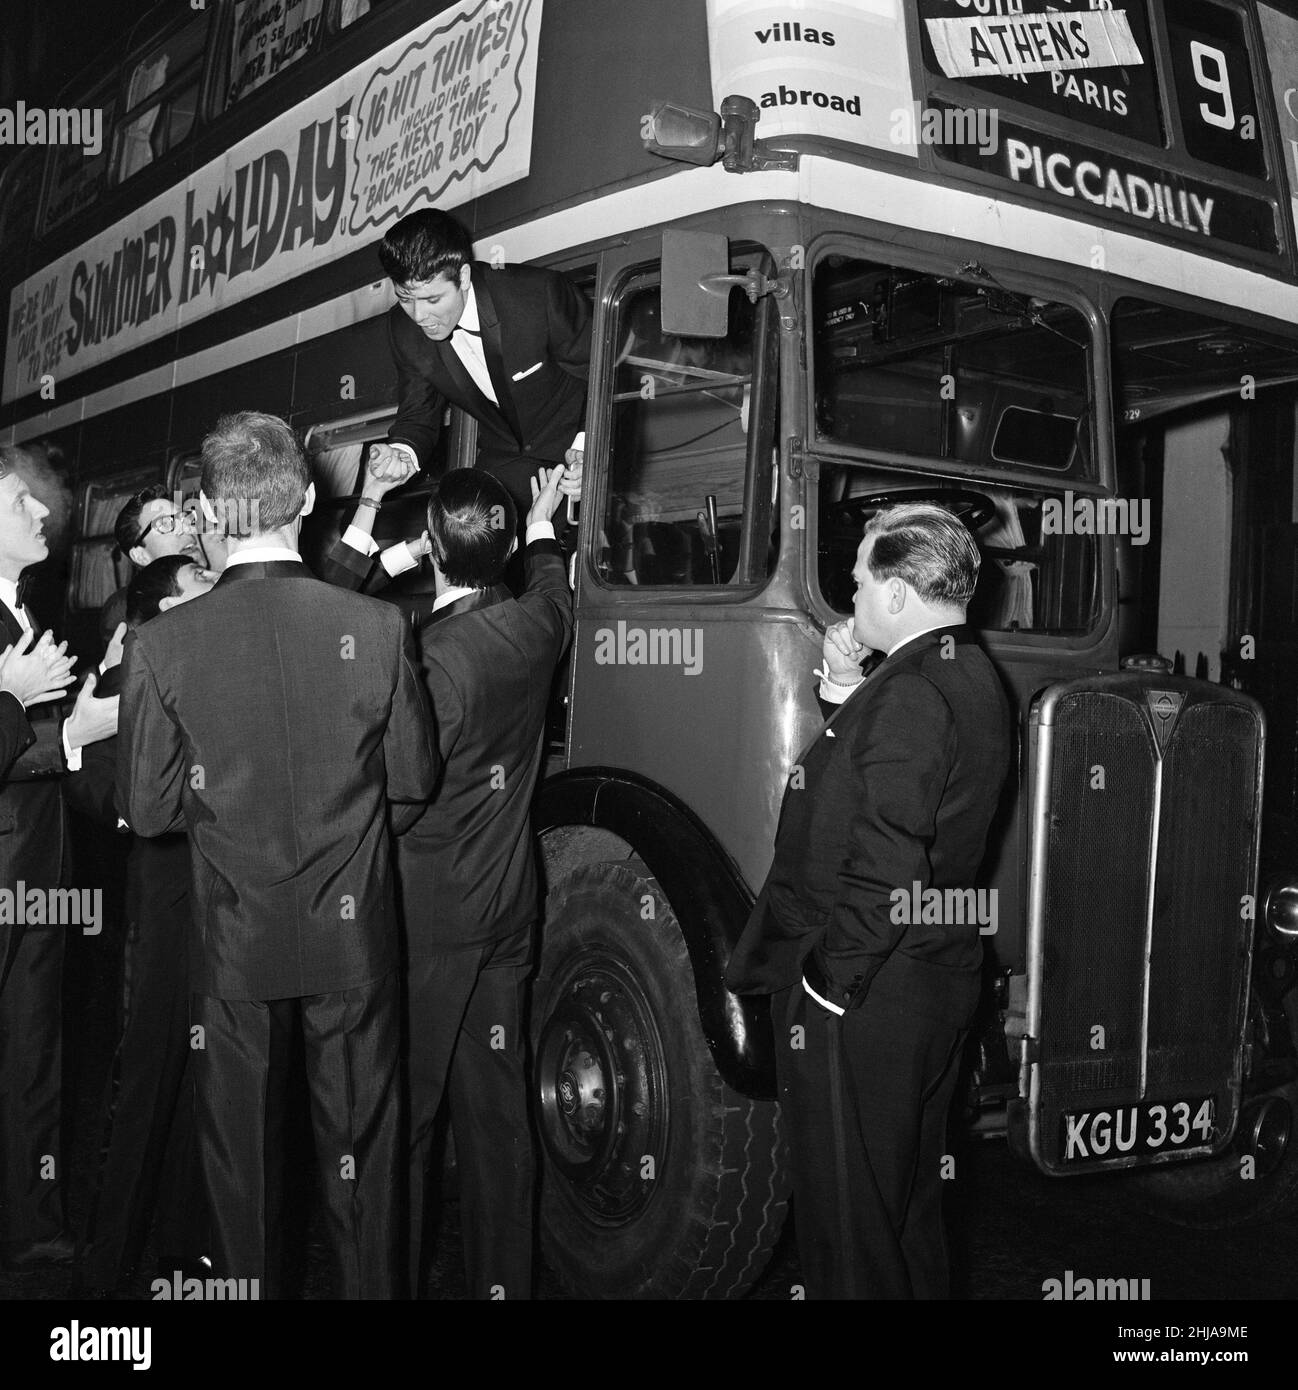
column 36, row 675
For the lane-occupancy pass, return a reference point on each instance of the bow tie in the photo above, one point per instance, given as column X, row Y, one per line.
column 473, row 332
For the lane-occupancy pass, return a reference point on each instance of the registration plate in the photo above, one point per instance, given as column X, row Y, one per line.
column 1147, row 1128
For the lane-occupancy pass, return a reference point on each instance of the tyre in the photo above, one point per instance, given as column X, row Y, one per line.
column 658, row 1180
column 1216, row 1194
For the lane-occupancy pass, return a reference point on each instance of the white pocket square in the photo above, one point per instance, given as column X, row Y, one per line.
column 535, row 367
column 829, row 733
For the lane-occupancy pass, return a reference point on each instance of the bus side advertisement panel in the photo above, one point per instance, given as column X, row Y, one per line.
column 1280, row 32
column 439, row 117
column 834, row 68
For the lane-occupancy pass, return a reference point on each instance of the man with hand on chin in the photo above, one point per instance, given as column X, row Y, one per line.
column 898, row 789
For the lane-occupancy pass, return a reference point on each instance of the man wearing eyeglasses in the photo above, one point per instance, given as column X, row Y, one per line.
column 149, row 527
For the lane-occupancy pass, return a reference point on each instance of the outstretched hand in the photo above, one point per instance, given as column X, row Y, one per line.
column 91, row 720
column 546, row 493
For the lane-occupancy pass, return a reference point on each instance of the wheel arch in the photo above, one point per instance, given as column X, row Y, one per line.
column 606, row 809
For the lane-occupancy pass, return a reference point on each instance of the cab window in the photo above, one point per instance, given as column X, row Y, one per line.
column 686, row 465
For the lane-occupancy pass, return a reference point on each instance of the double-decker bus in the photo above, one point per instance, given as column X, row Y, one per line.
column 1036, row 262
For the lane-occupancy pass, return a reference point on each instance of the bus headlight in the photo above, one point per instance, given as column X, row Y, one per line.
column 1281, row 912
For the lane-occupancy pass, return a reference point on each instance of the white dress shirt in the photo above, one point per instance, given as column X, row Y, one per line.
column 262, row 554
column 9, row 596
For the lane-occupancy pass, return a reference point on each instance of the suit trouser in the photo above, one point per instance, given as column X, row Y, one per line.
column 865, row 1102
column 351, row 1050
column 467, row 1040
column 31, row 1066
column 149, row 1113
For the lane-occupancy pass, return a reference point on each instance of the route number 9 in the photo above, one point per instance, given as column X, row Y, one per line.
column 1210, row 73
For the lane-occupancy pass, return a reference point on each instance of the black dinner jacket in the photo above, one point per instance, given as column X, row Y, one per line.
column 536, row 339
column 16, row 734
column 467, row 867
column 279, row 750
column 32, row 831
column 899, row 787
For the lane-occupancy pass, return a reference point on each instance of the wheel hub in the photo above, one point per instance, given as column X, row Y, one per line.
column 601, row 1087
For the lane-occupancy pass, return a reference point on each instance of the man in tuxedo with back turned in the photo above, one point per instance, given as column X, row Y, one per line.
column 467, row 866
column 280, row 755
column 509, row 345
column 871, row 1008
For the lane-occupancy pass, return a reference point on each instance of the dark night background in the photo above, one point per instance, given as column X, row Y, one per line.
column 46, row 43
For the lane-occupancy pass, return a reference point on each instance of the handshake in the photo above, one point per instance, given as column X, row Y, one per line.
column 388, row 467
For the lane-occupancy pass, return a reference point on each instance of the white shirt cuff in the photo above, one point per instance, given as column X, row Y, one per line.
column 72, row 755
column 539, row 531
column 404, row 449
column 397, row 559
column 358, row 540
column 832, row 693
column 833, row 1008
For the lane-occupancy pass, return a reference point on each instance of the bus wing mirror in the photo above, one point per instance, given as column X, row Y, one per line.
column 696, row 284
column 684, row 133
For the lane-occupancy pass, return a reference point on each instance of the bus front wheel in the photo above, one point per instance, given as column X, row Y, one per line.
column 659, row 1181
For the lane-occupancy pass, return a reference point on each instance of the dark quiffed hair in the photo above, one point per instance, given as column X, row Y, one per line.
column 472, row 522
column 127, row 529
column 150, row 585
column 254, row 473
column 425, row 244
column 927, row 546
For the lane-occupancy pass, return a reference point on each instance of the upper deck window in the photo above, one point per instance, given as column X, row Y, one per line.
column 19, row 191
column 349, row 11
column 266, row 37
column 76, row 179
column 161, row 98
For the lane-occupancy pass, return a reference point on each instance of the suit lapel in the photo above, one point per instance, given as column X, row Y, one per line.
column 489, row 323
column 464, row 389
column 13, row 628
